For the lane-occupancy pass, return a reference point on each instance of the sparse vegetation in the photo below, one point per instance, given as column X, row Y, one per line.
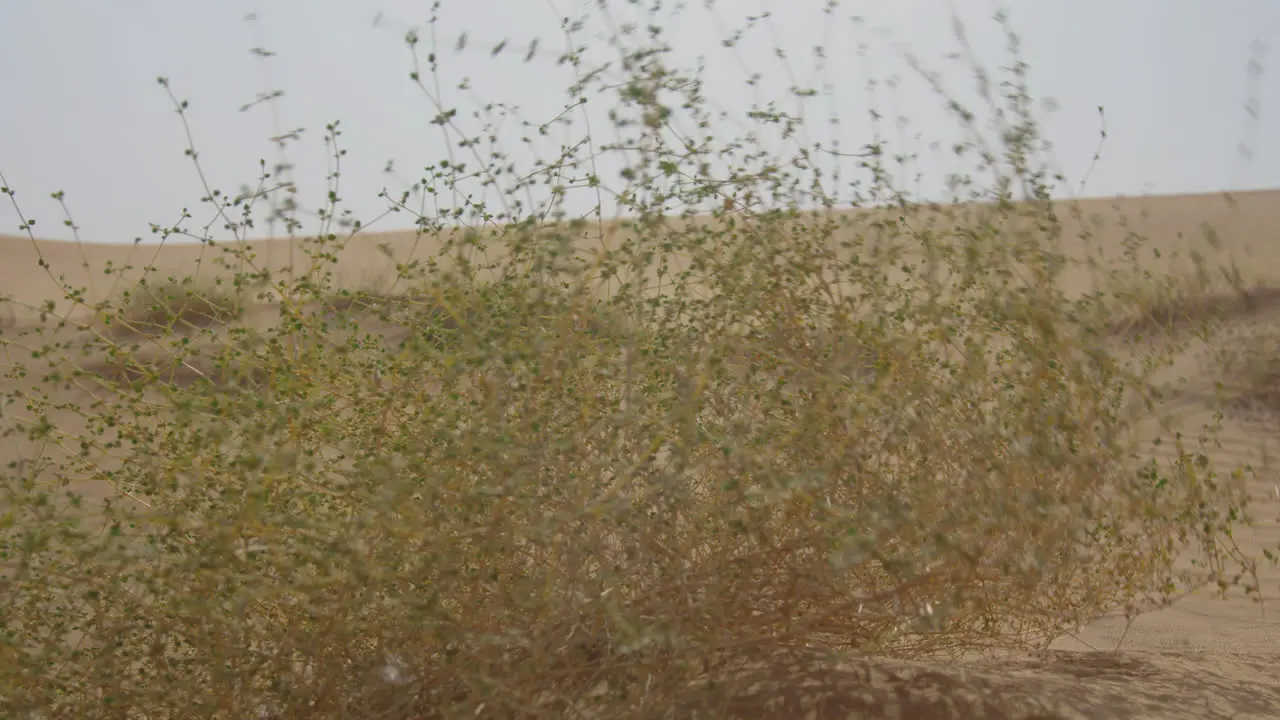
column 1250, row 366
column 173, row 307
column 1194, row 301
column 607, row 479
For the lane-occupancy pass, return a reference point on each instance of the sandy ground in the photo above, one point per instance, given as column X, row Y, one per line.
column 1205, row 657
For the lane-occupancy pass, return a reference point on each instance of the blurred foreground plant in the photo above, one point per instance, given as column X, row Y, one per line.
column 618, row 459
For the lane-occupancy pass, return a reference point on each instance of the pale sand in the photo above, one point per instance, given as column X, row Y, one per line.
column 1203, row 658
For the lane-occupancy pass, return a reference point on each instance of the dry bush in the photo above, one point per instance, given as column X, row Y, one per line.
column 1250, row 367
column 216, row 367
column 172, row 306
column 843, row 430
column 442, row 315
column 1180, row 304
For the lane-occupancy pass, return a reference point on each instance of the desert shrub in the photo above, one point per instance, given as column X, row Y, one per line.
column 1195, row 300
column 442, row 316
column 172, row 306
column 1250, row 367
column 596, row 482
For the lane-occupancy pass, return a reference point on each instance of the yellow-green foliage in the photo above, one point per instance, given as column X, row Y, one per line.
column 548, row 488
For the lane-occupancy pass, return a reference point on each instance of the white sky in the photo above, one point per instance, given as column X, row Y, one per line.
column 82, row 111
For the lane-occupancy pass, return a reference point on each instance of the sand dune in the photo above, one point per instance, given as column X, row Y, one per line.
column 1175, row 223
column 1205, row 657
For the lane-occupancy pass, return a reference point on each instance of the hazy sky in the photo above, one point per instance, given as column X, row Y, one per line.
column 83, row 113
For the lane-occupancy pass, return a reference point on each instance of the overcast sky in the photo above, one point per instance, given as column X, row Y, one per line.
column 83, row 113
